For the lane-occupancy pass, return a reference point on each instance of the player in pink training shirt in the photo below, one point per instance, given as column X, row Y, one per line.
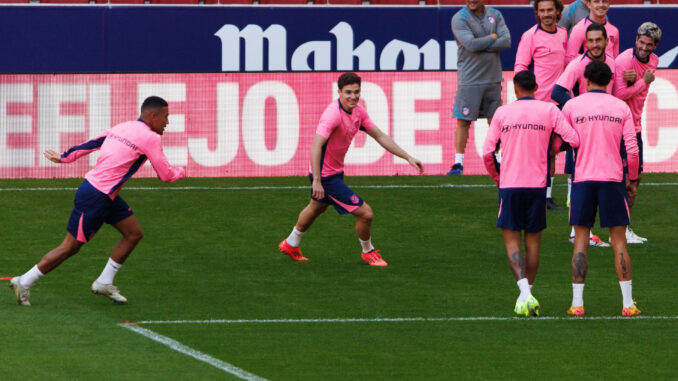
column 123, row 149
column 633, row 75
column 602, row 122
column 523, row 130
column 571, row 83
column 598, row 15
column 543, row 46
column 338, row 125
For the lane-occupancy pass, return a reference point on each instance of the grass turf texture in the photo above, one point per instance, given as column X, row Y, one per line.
column 211, row 254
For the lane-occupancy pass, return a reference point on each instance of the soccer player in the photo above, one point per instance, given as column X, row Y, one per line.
column 602, row 122
column 566, row 86
column 338, row 125
column 597, row 15
column 480, row 33
column 634, row 73
column 524, row 130
column 574, row 12
column 544, row 46
column 124, row 149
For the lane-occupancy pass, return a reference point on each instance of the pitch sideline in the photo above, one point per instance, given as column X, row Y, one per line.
column 255, row 188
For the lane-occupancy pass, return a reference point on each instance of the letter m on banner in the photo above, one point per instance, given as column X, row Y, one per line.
column 253, row 35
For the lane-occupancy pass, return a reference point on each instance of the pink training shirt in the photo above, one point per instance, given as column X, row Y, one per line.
column 577, row 40
column 574, row 73
column 523, row 129
column 124, row 149
column 339, row 127
column 602, row 121
column 633, row 94
column 547, row 51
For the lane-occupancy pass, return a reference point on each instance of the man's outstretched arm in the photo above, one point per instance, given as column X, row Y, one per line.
column 392, row 147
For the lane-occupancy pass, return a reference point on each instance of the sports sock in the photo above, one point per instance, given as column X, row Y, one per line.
column 109, row 272
column 458, row 158
column 548, row 191
column 569, row 187
column 577, row 294
column 30, row 277
column 295, row 237
column 627, row 296
column 572, row 232
column 524, row 287
column 367, row 245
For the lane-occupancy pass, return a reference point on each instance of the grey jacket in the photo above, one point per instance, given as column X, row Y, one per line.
column 477, row 54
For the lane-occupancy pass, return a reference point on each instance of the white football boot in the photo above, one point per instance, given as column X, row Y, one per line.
column 108, row 290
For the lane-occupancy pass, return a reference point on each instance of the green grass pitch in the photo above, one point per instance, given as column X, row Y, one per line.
column 212, row 254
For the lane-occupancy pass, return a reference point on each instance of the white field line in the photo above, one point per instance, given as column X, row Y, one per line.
column 399, row 320
column 177, row 346
column 255, row 188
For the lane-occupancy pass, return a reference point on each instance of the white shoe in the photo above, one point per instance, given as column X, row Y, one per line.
column 22, row 293
column 632, row 237
column 594, row 240
column 109, row 291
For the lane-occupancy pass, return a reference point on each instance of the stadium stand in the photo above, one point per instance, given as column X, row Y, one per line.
column 395, row 2
column 340, row 2
column 282, row 2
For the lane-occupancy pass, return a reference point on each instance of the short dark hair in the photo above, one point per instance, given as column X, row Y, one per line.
column 153, row 102
column 596, row 27
column 557, row 3
column 525, row 80
column 598, row 72
column 348, row 79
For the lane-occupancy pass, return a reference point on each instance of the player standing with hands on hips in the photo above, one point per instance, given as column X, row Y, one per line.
column 480, row 33
column 523, row 130
column 338, row 125
column 124, row 149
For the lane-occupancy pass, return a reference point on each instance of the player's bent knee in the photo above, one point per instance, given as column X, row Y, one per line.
column 135, row 236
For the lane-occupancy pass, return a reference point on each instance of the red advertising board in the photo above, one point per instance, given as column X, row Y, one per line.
column 262, row 124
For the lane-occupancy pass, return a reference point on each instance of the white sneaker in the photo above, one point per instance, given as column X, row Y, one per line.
column 632, row 237
column 109, row 291
column 22, row 293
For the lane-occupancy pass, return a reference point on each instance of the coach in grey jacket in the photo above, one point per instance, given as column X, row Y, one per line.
column 480, row 33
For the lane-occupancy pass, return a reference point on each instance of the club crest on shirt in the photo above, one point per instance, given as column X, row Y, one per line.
column 490, row 19
column 465, row 110
column 354, row 198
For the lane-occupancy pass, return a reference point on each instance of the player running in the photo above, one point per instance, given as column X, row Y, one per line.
column 543, row 46
column 602, row 122
column 571, row 82
column 338, row 125
column 524, row 129
column 598, row 15
column 634, row 73
column 124, row 149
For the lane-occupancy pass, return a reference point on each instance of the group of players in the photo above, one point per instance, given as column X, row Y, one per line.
column 526, row 132
column 601, row 94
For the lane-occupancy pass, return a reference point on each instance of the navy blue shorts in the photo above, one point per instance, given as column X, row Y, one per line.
column 622, row 151
column 522, row 209
column 569, row 162
column 607, row 196
column 338, row 194
column 91, row 208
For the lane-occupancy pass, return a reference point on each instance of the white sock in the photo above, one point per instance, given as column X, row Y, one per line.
column 569, row 187
column 627, row 296
column 458, row 158
column 524, row 287
column 572, row 232
column 577, row 294
column 295, row 237
column 109, row 272
column 548, row 190
column 30, row 277
column 367, row 245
